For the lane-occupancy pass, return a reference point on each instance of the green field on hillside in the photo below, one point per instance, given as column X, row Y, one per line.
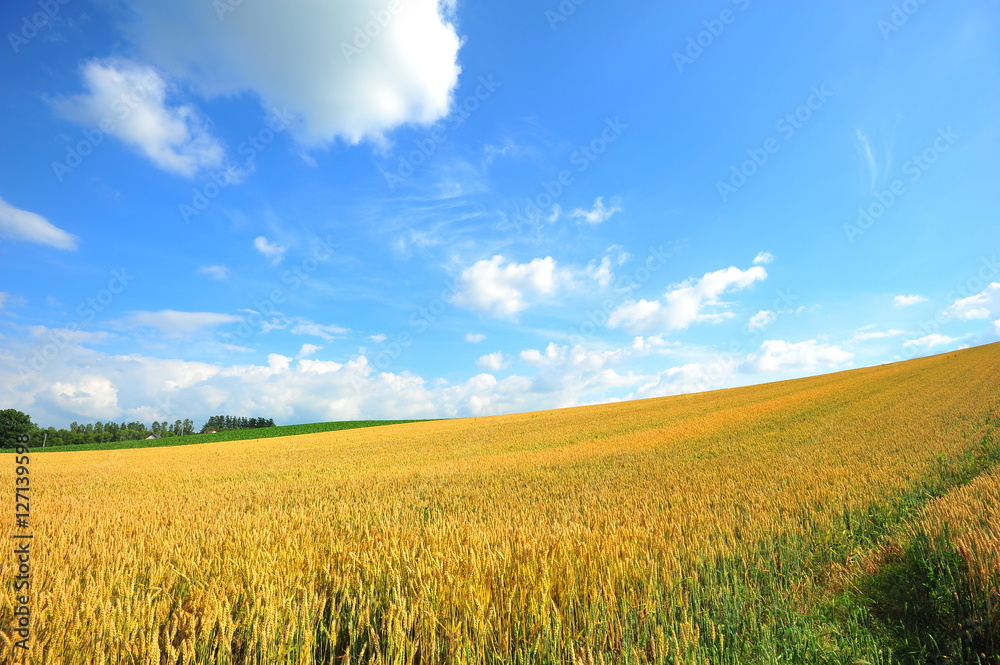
column 227, row 435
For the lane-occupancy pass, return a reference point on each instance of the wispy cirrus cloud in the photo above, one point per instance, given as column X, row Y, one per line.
column 32, row 227
column 864, row 146
column 173, row 323
column 214, row 272
column 598, row 213
column 867, row 334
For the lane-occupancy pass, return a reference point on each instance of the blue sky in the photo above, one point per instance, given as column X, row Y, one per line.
column 312, row 211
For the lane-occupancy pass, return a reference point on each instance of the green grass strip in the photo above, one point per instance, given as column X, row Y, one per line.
column 228, row 435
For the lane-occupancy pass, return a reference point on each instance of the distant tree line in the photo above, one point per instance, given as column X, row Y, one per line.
column 219, row 423
column 14, row 422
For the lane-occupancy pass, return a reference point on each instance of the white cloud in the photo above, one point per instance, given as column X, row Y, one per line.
column 272, row 251
column 504, row 289
column 690, row 378
column 378, row 338
column 91, row 384
column 129, row 101
column 298, row 325
column 577, row 356
column 308, row 350
column 642, row 345
column 278, row 362
column 303, row 390
column 236, row 348
column 328, row 332
column 601, row 272
column 90, row 394
column 62, row 336
column 980, row 306
column 692, row 301
column 6, row 300
column 178, row 324
column 214, row 272
column 906, row 301
column 567, row 374
column 598, row 213
column 491, row 151
column 32, row 227
column 865, row 335
column 779, row 356
column 313, row 58
column 762, row 319
column 930, row 341
column 621, row 256
column 474, row 338
column 763, row 258
column 493, row 362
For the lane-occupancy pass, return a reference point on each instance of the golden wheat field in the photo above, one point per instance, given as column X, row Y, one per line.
column 970, row 519
column 709, row 528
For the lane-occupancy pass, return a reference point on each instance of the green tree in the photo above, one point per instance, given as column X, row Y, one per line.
column 13, row 423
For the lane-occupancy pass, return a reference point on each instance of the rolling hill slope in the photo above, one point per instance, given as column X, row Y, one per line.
column 750, row 525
